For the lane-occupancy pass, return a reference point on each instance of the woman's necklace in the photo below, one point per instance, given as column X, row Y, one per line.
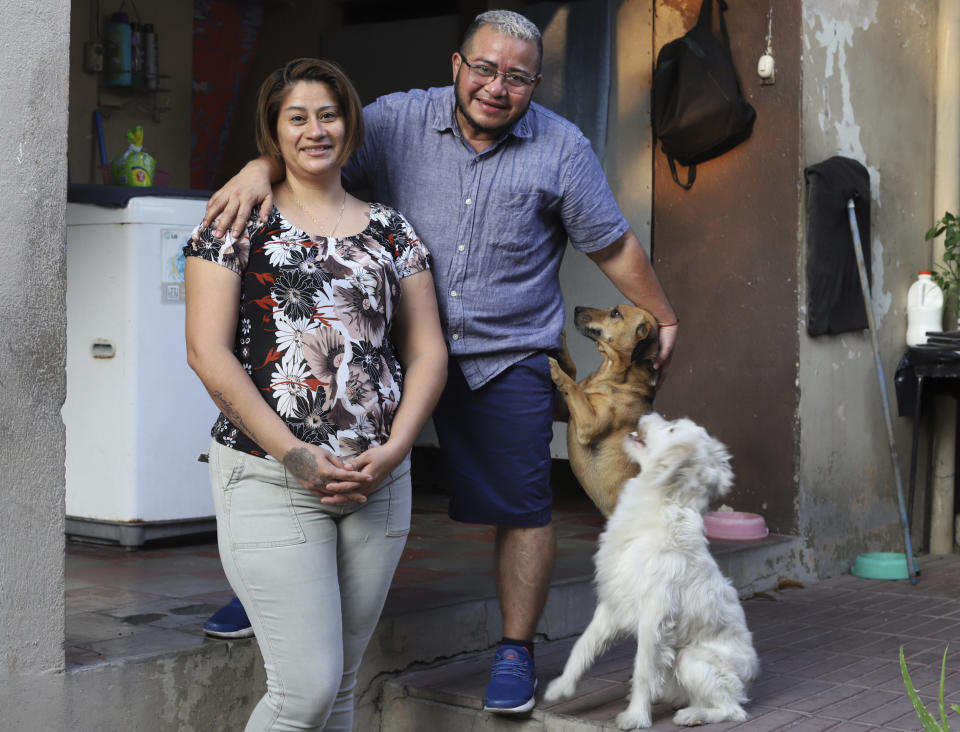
column 303, row 208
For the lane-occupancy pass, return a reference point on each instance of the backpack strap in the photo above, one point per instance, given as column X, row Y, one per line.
column 691, row 174
column 705, row 18
column 723, row 24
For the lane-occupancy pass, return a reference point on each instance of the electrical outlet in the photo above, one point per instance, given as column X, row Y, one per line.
column 92, row 57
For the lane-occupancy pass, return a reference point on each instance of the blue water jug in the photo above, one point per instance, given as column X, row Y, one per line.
column 119, row 66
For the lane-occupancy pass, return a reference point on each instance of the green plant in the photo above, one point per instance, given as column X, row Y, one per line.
column 926, row 719
column 947, row 273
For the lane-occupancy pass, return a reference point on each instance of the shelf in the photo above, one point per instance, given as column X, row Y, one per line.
column 133, row 90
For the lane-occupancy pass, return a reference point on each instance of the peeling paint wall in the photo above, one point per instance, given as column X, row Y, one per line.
column 803, row 416
column 868, row 84
column 33, row 179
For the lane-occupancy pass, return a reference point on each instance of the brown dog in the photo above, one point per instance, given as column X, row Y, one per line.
column 605, row 406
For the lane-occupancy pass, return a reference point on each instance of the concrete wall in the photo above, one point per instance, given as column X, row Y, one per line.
column 33, row 178
column 211, row 688
column 165, row 114
column 33, row 66
column 803, row 416
column 868, row 73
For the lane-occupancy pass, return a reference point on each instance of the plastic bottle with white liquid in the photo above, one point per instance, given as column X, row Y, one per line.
column 924, row 308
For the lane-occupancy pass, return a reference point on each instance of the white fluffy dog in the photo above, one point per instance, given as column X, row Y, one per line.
column 657, row 580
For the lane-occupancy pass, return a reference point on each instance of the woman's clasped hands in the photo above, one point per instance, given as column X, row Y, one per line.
column 337, row 481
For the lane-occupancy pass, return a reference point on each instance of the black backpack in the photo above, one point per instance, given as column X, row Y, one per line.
column 698, row 109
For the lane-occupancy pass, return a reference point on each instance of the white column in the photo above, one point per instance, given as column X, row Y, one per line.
column 946, row 197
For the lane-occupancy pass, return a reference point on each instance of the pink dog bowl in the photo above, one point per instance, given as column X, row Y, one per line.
column 734, row 525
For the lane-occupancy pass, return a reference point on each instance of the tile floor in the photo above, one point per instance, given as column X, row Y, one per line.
column 828, row 651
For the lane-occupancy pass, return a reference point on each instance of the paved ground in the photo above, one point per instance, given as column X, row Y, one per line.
column 829, row 660
column 828, row 651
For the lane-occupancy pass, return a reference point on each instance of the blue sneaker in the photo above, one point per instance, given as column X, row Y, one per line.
column 230, row 621
column 513, row 682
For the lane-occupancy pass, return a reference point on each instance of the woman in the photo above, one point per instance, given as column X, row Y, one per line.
column 298, row 329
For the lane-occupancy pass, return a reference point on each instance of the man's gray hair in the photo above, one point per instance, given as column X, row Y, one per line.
column 508, row 23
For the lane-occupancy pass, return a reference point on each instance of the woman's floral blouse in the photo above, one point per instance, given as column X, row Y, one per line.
column 314, row 327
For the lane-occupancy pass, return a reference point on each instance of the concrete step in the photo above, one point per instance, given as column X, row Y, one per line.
column 448, row 693
column 174, row 679
column 761, row 565
column 449, row 696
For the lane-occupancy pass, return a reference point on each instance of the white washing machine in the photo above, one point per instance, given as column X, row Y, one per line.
column 137, row 417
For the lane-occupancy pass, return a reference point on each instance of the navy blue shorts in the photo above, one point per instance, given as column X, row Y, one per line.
column 495, row 444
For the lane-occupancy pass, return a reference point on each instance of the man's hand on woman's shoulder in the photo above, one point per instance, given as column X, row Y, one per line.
column 230, row 206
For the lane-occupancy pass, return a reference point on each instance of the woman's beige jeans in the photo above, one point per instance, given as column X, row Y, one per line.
column 313, row 579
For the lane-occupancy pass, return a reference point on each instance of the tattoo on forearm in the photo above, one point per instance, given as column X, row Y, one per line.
column 233, row 415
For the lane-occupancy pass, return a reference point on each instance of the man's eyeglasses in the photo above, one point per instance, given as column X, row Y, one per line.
column 488, row 73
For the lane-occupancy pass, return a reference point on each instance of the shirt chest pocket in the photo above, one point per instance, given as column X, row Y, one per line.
column 513, row 220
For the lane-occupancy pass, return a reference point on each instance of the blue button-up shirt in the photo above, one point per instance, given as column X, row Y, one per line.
column 496, row 222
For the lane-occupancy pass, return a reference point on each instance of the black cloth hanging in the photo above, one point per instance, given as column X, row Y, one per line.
column 834, row 297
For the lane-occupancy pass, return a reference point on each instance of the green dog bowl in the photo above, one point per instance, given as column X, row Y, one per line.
column 881, row 565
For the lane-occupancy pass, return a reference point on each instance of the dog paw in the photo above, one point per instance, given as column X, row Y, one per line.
column 634, row 719
column 558, row 689
column 687, row 717
column 737, row 715
column 556, row 373
column 691, row 716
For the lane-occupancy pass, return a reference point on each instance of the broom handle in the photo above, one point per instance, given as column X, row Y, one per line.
column 868, row 306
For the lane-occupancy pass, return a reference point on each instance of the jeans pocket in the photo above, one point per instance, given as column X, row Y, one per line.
column 258, row 506
column 400, row 491
column 225, row 466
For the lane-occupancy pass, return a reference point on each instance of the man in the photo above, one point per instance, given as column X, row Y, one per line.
column 495, row 185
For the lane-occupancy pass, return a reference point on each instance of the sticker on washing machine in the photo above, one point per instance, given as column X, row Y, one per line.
column 172, row 264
